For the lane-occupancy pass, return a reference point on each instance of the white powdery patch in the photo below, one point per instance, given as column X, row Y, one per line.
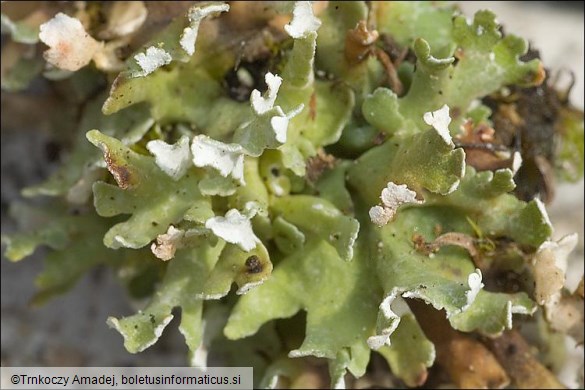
column 234, row 228
column 381, row 215
column 167, row 244
column 440, row 121
column 174, row 160
column 475, row 285
column 70, row 46
column 262, row 104
column 303, row 21
column 393, row 196
column 228, row 159
column 150, row 61
column 280, row 122
column 196, row 15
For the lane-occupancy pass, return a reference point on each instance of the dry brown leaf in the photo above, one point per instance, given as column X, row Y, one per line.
column 319, row 164
column 461, row 240
column 549, row 265
column 515, row 354
column 167, row 244
column 482, row 149
column 467, row 361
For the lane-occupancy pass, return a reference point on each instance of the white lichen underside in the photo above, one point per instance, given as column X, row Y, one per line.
column 475, row 285
column 234, row 228
column 440, row 121
column 70, row 46
column 228, row 159
column 174, row 160
column 196, row 15
column 303, row 21
column 262, row 104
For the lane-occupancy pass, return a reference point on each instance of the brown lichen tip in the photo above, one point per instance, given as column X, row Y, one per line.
column 119, row 169
column 319, row 164
column 358, row 42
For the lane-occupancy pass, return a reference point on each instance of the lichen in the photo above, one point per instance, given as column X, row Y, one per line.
column 342, row 192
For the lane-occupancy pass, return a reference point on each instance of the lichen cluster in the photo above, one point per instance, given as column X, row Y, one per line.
column 298, row 178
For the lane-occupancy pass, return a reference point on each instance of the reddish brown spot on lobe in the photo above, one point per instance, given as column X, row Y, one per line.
column 121, row 173
column 253, row 265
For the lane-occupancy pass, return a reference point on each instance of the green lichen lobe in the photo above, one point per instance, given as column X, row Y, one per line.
column 256, row 213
